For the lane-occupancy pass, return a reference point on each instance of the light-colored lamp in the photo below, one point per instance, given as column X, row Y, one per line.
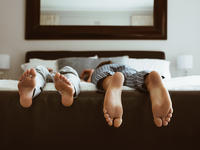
column 4, row 62
column 185, row 63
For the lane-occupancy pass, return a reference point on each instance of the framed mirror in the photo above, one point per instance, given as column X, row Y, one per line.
column 96, row 19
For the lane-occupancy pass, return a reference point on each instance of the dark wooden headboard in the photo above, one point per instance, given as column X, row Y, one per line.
column 51, row 55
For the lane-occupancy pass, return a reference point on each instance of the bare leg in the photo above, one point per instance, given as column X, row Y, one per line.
column 26, row 87
column 65, row 88
column 112, row 101
column 160, row 99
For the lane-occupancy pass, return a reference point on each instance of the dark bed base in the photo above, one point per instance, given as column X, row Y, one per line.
column 49, row 125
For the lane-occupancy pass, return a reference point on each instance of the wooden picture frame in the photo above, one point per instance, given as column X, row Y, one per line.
column 36, row 31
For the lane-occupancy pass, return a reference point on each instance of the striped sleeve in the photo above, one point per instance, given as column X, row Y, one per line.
column 101, row 73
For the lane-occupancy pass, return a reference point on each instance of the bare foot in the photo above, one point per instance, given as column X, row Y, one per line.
column 160, row 98
column 112, row 101
column 65, row 88
column 26, row 87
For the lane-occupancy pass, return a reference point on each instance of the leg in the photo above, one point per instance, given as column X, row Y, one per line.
column 30, row 84
column 67, row 82
column 160, row 99
column 112, row 101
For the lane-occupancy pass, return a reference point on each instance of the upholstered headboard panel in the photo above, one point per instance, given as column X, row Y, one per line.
column 50, row 55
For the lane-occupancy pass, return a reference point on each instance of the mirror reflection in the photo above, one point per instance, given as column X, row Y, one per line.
column 97, row 12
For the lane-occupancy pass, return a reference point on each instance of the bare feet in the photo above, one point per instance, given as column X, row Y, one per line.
column 161, row 101
column 65, row 88
column 26, row 87
column 112, row 101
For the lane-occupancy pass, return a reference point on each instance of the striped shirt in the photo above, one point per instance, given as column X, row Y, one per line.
column 133, row 78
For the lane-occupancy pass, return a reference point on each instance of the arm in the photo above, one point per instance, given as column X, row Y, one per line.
column 50, row 70
column 86, row 75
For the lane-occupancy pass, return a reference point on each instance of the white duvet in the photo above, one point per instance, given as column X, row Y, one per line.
column 188, row 83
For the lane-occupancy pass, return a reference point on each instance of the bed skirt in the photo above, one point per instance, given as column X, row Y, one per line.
column 49, row 125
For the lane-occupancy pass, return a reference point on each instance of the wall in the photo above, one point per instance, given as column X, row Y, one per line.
column 183, row 31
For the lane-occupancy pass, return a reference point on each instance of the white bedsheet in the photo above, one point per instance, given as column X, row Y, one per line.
column 188, row 83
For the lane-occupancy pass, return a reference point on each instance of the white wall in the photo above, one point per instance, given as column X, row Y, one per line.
column 183, row 36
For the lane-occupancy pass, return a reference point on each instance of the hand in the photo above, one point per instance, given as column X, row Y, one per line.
column 50, row 70
column 86, row 75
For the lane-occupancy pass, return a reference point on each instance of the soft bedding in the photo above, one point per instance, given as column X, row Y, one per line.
column 81, row 63
column 185, row 83
column 161, row 66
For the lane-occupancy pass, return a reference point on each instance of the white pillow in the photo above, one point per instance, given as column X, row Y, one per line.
column 159, row 65
column 123, row 60
column 36, row 62
column 94, row 57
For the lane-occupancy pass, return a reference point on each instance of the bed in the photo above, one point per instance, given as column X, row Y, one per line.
column 49, row 125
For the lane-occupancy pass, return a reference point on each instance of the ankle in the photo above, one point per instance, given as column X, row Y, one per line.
column 117, row 79
column 153, row 79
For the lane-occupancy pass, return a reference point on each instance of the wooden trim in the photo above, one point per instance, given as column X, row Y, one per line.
column 52, row 55
column 35, row 31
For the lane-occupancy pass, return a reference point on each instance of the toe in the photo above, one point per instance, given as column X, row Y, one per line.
column 62, row 77
column 67, row 81
column 33, row 73
column 57, row 76
column 28, row 72
column 109, row 121
column 171, row 111
column 158, row 121
column 169, row 115
column 106, row 116
column 117, row 122
column 165, row 123
column 167, row 119
column 104, row 110
column 25, row 73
